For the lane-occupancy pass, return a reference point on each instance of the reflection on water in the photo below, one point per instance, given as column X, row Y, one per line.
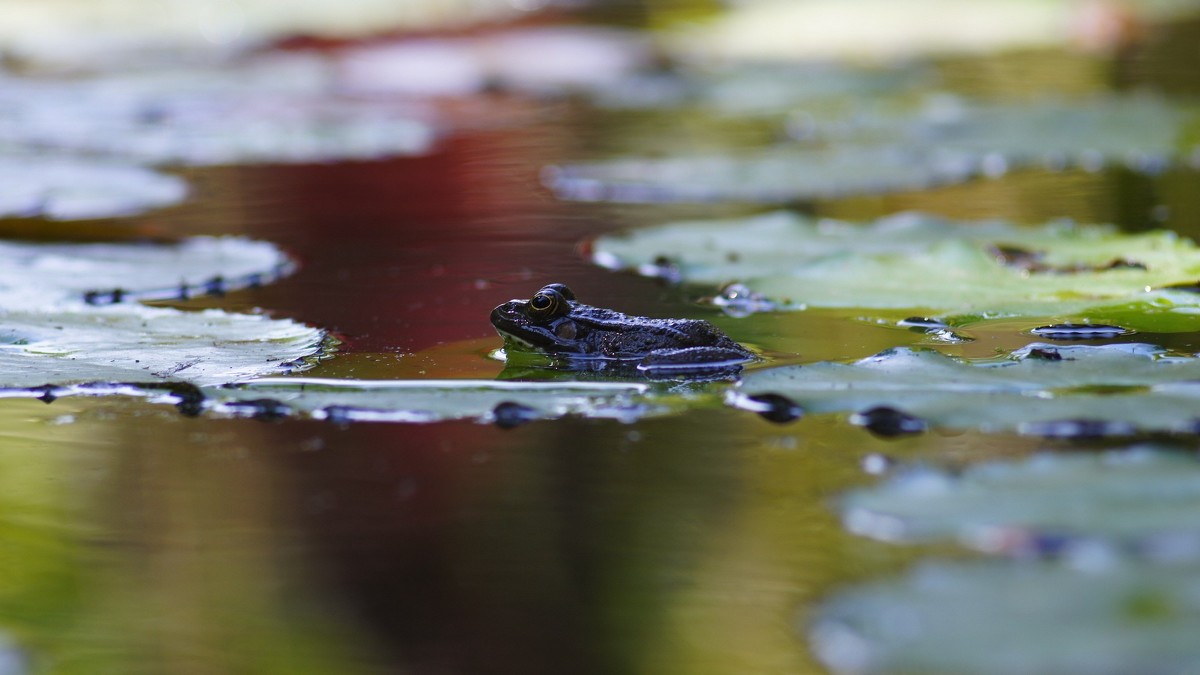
column 133, row 539
column 184, row 545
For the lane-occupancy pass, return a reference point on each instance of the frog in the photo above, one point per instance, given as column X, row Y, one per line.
column 553, row 322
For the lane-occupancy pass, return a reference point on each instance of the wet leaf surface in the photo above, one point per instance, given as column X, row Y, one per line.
column 1132, row 502
column 77, row 343
column 994, row 618
column 901, row 147
column 77, row 188
column 33, row 275
column 1047, row 390
column 915, row 261
column 506, row 404
column 82, row 34
column 64, row 321
column 276, row 109
column 884, row 30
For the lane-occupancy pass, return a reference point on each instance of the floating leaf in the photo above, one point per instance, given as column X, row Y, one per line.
column 890, row 30
column 1141, row 501
column 896, row 148
column 548, row 59
column 33, row 275
column 78, row 189
column 81, row 33
column 279, row 109
column 914, row 261
column 130, row 343
column 1041, row 390
column 832, row 93
column 767, row 177
column 505, row 403
column 994, row 618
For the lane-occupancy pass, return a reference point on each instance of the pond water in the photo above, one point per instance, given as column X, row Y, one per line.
column 135, row 539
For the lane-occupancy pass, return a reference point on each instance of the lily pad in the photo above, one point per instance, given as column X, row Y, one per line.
column 60, row 188
column 960, row 270
column 505, row 403
column 74, row 343
column 33, row 275
column 547, row 59
column 1042, row 389
column 80, row 34
column 998, row 618
column 946, row 140
column 890, row 30
column 279, row 109
column 1139, row 501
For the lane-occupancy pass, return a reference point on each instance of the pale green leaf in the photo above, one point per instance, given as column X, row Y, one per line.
column 874, row 149
column 997, row 618
column 60, row 188
column 1041, row 390
column 920, row 262
column 1139, row 500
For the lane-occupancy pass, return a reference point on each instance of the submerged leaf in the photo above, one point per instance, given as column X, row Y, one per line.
column 1041, row 390
column 914, row 261
column 1139, row 501
column 995, row 618
column 61, row 188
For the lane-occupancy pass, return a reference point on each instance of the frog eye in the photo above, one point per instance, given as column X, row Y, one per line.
column 562, row 290
column 547, row 304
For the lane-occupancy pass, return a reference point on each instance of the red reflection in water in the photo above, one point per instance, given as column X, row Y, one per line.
column 409, row 253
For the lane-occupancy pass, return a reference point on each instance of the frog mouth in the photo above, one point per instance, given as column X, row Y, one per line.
column 506, row 320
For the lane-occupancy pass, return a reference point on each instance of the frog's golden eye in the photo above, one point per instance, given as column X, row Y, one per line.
column 548, row 304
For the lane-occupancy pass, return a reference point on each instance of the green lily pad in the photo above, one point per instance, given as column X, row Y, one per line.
column 1041, row 389
column 505, row 404
column 968, row 270
column 59, row 188
column 999, row 618
column 80, row 34
column 75, row 343
column 33, row 275
column 894, row 30
column 1137, row 501
column 61, row 323
column 269, row 110
column 501, row 402
column 898, row 148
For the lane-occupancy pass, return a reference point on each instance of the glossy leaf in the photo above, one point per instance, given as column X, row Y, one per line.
column 130, row 343
column 919, row 262
column 60, row 188
column 994, row 618
column 881, row 149
column 892, row 30
column 1139, row 501
column 504, row 403
column 33, row 275
column 1073, row 391
column 80, row 34
column 276, row 109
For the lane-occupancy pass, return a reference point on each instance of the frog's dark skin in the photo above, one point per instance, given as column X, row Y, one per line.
column 554, row 323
